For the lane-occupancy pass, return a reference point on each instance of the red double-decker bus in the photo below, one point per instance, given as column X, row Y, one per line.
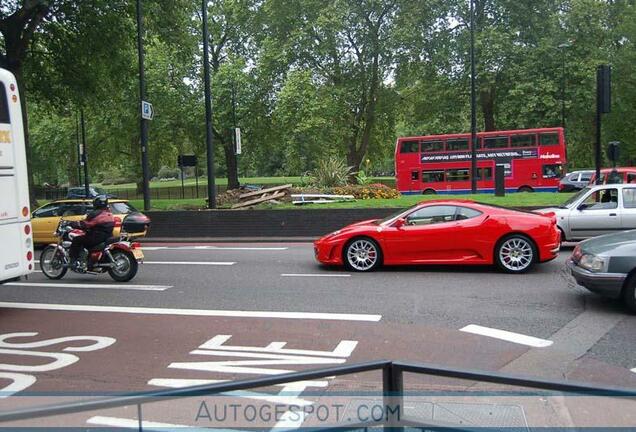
column 532, row 161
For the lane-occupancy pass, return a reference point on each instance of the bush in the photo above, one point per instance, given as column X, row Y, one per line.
column 371, row 191
column 330, row 172
column 168, row 173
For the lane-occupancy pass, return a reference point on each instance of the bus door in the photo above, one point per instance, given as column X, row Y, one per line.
column 486, row 176
column 408, row 167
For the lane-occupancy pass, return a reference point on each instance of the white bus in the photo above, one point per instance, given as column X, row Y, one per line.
column 16, row 242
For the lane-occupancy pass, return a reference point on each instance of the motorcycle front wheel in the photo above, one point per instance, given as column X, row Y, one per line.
column 52, row 263
column 124, row 267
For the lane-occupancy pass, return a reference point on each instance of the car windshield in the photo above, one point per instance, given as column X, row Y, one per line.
column 122, row 208
column 574, row 198
column 394, row 215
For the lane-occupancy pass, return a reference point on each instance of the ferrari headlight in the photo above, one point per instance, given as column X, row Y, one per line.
column 593, row 263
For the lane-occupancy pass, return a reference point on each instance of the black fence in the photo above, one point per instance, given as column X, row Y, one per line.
column 169, row 192
column 393, row 391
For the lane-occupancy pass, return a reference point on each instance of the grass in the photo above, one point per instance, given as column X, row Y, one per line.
column 220, row 181
column 510, row 200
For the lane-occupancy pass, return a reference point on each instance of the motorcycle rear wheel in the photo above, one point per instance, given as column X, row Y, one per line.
column 125, row 266
column 52, row 263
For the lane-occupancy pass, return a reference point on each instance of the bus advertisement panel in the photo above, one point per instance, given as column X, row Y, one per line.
column 532, row 161
column 16, row 253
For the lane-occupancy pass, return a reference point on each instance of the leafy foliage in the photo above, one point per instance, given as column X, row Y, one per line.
column 330, row 172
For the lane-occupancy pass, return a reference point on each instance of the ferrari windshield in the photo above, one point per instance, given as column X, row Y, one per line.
column 394, row 215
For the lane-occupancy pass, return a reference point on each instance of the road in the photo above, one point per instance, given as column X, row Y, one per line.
column 191, row 305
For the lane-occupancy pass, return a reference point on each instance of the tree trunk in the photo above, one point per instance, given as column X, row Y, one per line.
column 487, row 102
column 231, row 163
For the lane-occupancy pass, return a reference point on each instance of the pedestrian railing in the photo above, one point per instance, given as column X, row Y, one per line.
column 393, row 393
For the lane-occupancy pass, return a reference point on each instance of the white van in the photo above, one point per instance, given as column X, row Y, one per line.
column 16, row 242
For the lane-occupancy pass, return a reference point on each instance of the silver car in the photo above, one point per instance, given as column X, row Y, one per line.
column 597, row 210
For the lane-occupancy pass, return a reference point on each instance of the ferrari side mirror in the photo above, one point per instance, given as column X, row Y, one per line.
column 399, row 223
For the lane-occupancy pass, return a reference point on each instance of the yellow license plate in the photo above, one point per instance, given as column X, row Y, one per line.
column 138, row 253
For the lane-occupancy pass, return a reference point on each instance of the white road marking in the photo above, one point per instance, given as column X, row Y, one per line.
column 195, row 312
column 313, row 275
column 507, row 336
column 633, row 370
column 119, row 422
column 221, row 248
column 121, row 286
column 211, row 263
column 285, row 399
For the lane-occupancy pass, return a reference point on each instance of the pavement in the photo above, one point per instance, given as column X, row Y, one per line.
column 203, row 312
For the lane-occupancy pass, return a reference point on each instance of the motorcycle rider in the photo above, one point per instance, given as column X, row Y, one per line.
column 98, row 226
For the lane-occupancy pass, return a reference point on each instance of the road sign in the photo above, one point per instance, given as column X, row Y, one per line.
column 237, row 140
column 147, row 111
column 187, row 160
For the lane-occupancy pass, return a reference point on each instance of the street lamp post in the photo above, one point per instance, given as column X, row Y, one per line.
column 208, row 109
column 473, row 103
column 562, row 47
column 142, row 98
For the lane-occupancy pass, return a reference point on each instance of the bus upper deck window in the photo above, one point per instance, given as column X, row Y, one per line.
column 547, row 139
column 409, row 147
column 495, row 142
column 432, row 146
column 457, row 144
column 523, row 140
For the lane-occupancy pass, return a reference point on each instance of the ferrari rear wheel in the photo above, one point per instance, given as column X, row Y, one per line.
column 362, row 254
column 515, row 254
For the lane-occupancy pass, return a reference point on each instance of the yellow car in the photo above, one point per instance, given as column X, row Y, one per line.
column 45, row 219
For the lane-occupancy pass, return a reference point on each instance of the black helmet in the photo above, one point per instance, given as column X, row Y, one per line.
column 100, row 202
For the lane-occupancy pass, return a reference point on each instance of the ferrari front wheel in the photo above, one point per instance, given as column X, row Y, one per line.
column 362, row 254
column 515, row 254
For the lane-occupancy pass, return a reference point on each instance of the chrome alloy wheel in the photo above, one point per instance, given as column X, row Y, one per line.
column 516, row 254
column 362, row 255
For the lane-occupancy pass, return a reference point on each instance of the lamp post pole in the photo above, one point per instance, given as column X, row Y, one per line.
column 142, row 98
column 562, row 47
column 473, row 103
column 208, row 109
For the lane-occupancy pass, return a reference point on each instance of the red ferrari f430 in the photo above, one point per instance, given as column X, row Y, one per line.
column 445, row 232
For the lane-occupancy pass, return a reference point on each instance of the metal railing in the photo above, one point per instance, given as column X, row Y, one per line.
column 392, row 391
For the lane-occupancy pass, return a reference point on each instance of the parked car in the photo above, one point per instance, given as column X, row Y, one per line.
column 80, row 192
column 616, row 175
column 445, row 232
column 46, row 218
column 606, row 265
column 596, row 210
column 576, row 180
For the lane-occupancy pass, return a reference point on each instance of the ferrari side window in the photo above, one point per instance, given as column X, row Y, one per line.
column 464, row 213
column 432, row 215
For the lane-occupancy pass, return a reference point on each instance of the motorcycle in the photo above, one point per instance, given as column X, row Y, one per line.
column 118, row 257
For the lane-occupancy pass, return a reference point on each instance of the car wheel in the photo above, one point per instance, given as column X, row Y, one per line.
column 525, row 189
column 362, row 254
column 629, row 293
column 430, row 192
column 515, row 254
